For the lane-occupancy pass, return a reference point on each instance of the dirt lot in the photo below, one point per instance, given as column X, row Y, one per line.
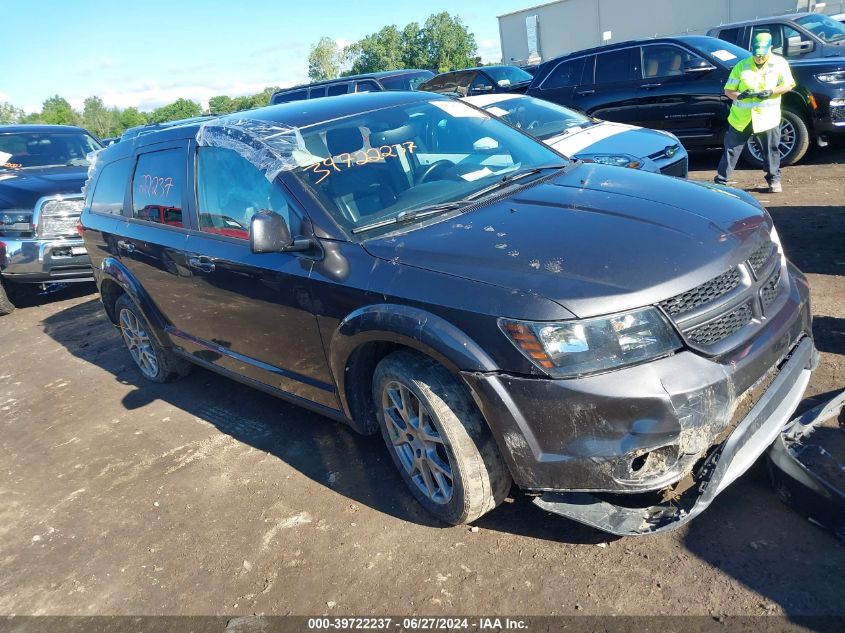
column 206, row 497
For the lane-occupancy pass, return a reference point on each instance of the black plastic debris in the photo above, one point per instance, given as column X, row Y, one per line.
column 807, row 465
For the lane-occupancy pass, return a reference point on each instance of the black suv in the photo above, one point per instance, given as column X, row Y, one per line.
column 677, row 84
column 408, row 264
column 42, row 170
column 403, row 79
column 479, row 81
column 794, row 36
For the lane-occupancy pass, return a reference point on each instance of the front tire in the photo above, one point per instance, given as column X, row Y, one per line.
column 6, row 305
column 794, row 142
column 438, row 439
column 155, row 362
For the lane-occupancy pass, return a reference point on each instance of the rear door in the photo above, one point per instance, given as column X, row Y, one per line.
column 690, row 105
column 609, row 88
column 251, row 313
column 560, row 83
column 152, row 244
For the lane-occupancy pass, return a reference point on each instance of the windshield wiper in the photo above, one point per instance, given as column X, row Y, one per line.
column 511, row 178
column 412, row 215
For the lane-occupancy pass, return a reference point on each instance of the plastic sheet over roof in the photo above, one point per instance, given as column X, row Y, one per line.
column 272, row 147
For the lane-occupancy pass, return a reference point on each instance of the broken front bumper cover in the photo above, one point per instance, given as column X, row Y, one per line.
column 807, row 465
column 760, row 427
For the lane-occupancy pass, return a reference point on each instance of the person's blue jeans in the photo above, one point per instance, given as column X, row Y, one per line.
column 735, row 141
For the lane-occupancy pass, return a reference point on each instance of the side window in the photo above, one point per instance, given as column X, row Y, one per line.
column 230, row 190
column 319, row 91
column 732, row 36
column 111, row 187
column 338, row 89
column 564, row 75
column 296, row 95
column 157, row 187
column 663, row 60
column 616, row 66
column 367, row 85
column 481, row 84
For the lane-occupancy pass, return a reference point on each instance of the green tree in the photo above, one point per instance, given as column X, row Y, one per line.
column 56, row 110
column 32, row 117
column 324, row 60
column 96, row 117
column 179, row 109
column 378, row 51
column 10, row 113
column 130, row 117
column 447, row 43
column 414, row 53
column 221, row 104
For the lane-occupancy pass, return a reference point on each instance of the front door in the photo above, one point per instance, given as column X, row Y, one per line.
column 252, row 313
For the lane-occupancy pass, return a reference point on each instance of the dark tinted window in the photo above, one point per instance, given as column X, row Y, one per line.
column 481, row 84
column 319, row 91
column 435, row 84
column 367, row 85
column 157, row 187
column 338, row 89
column 111, row 187
column 615, row 66
column 731, row 35
column 565, row 74
column 406, row 82
column 230, row 190
column 296, row 95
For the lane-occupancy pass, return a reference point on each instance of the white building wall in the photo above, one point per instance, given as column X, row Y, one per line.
column 570, row 25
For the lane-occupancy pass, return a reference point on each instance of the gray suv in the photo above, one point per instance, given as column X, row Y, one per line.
column 794, row 36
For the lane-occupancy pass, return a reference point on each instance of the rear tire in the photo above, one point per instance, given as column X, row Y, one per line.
column 795, row 141
column 438, row 439
column 6, row 305
column 155, row 362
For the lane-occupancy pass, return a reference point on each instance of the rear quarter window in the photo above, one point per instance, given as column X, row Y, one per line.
column 731, row 35
column 110, row 188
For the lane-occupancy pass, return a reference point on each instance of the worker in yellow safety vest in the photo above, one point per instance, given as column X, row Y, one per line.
column 755, row 86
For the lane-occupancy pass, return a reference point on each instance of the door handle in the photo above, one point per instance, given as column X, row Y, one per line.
column 129, row 247
column 584, row 93
column 651, row 85
column 203, row 263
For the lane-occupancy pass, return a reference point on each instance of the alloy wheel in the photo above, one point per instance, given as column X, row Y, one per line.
column 786, row 145
column 418, row 443
column 139, row 344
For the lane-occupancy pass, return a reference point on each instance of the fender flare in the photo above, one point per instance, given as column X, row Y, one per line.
column 113, row 270
column 409, row 326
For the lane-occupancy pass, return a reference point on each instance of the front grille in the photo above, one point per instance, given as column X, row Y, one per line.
column 721, row 328
column 770, row 290
column 678, row 168
column 837, row 114
column 705, row 293
column 760, row 257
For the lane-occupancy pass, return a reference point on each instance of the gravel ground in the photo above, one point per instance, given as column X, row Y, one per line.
column 207, row 497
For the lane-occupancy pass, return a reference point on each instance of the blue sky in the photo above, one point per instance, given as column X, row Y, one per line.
column 149, row 53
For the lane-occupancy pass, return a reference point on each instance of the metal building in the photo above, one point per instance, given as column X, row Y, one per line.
column 545, row 31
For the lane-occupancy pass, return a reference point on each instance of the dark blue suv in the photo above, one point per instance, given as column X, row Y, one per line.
column 411, row 265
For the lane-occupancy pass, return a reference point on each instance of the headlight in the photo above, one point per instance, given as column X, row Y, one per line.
column 58, row 218
column 574, row 348
column 836, row 77
column 617, row 160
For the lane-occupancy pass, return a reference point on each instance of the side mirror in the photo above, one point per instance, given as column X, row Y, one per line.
column 481, row 89
column 269, row 233
column 698, row 65
column 796, row 44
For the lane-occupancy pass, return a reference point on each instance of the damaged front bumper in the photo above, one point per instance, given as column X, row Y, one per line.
column 750, row 439
column 619, row 450
column 807, row 465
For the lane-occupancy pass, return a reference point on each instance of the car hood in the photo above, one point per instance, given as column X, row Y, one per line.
column 596, row 240
column 21, row 189
column 611, row 138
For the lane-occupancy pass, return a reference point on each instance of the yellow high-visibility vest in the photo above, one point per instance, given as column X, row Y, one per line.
column 763, row 114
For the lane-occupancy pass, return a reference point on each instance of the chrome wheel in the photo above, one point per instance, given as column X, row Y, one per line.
column 786, row 145
column 417, row 442
column 138, row 343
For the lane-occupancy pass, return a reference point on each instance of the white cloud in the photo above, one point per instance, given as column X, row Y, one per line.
column 4, row 97
column 489, row 51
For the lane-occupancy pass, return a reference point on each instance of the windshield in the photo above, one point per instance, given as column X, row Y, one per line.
column 406, row 82
column 541, row 119
column 373, row 166
column 823, row 27
column 45, row 149
column 725, row 53
column 507, row 75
